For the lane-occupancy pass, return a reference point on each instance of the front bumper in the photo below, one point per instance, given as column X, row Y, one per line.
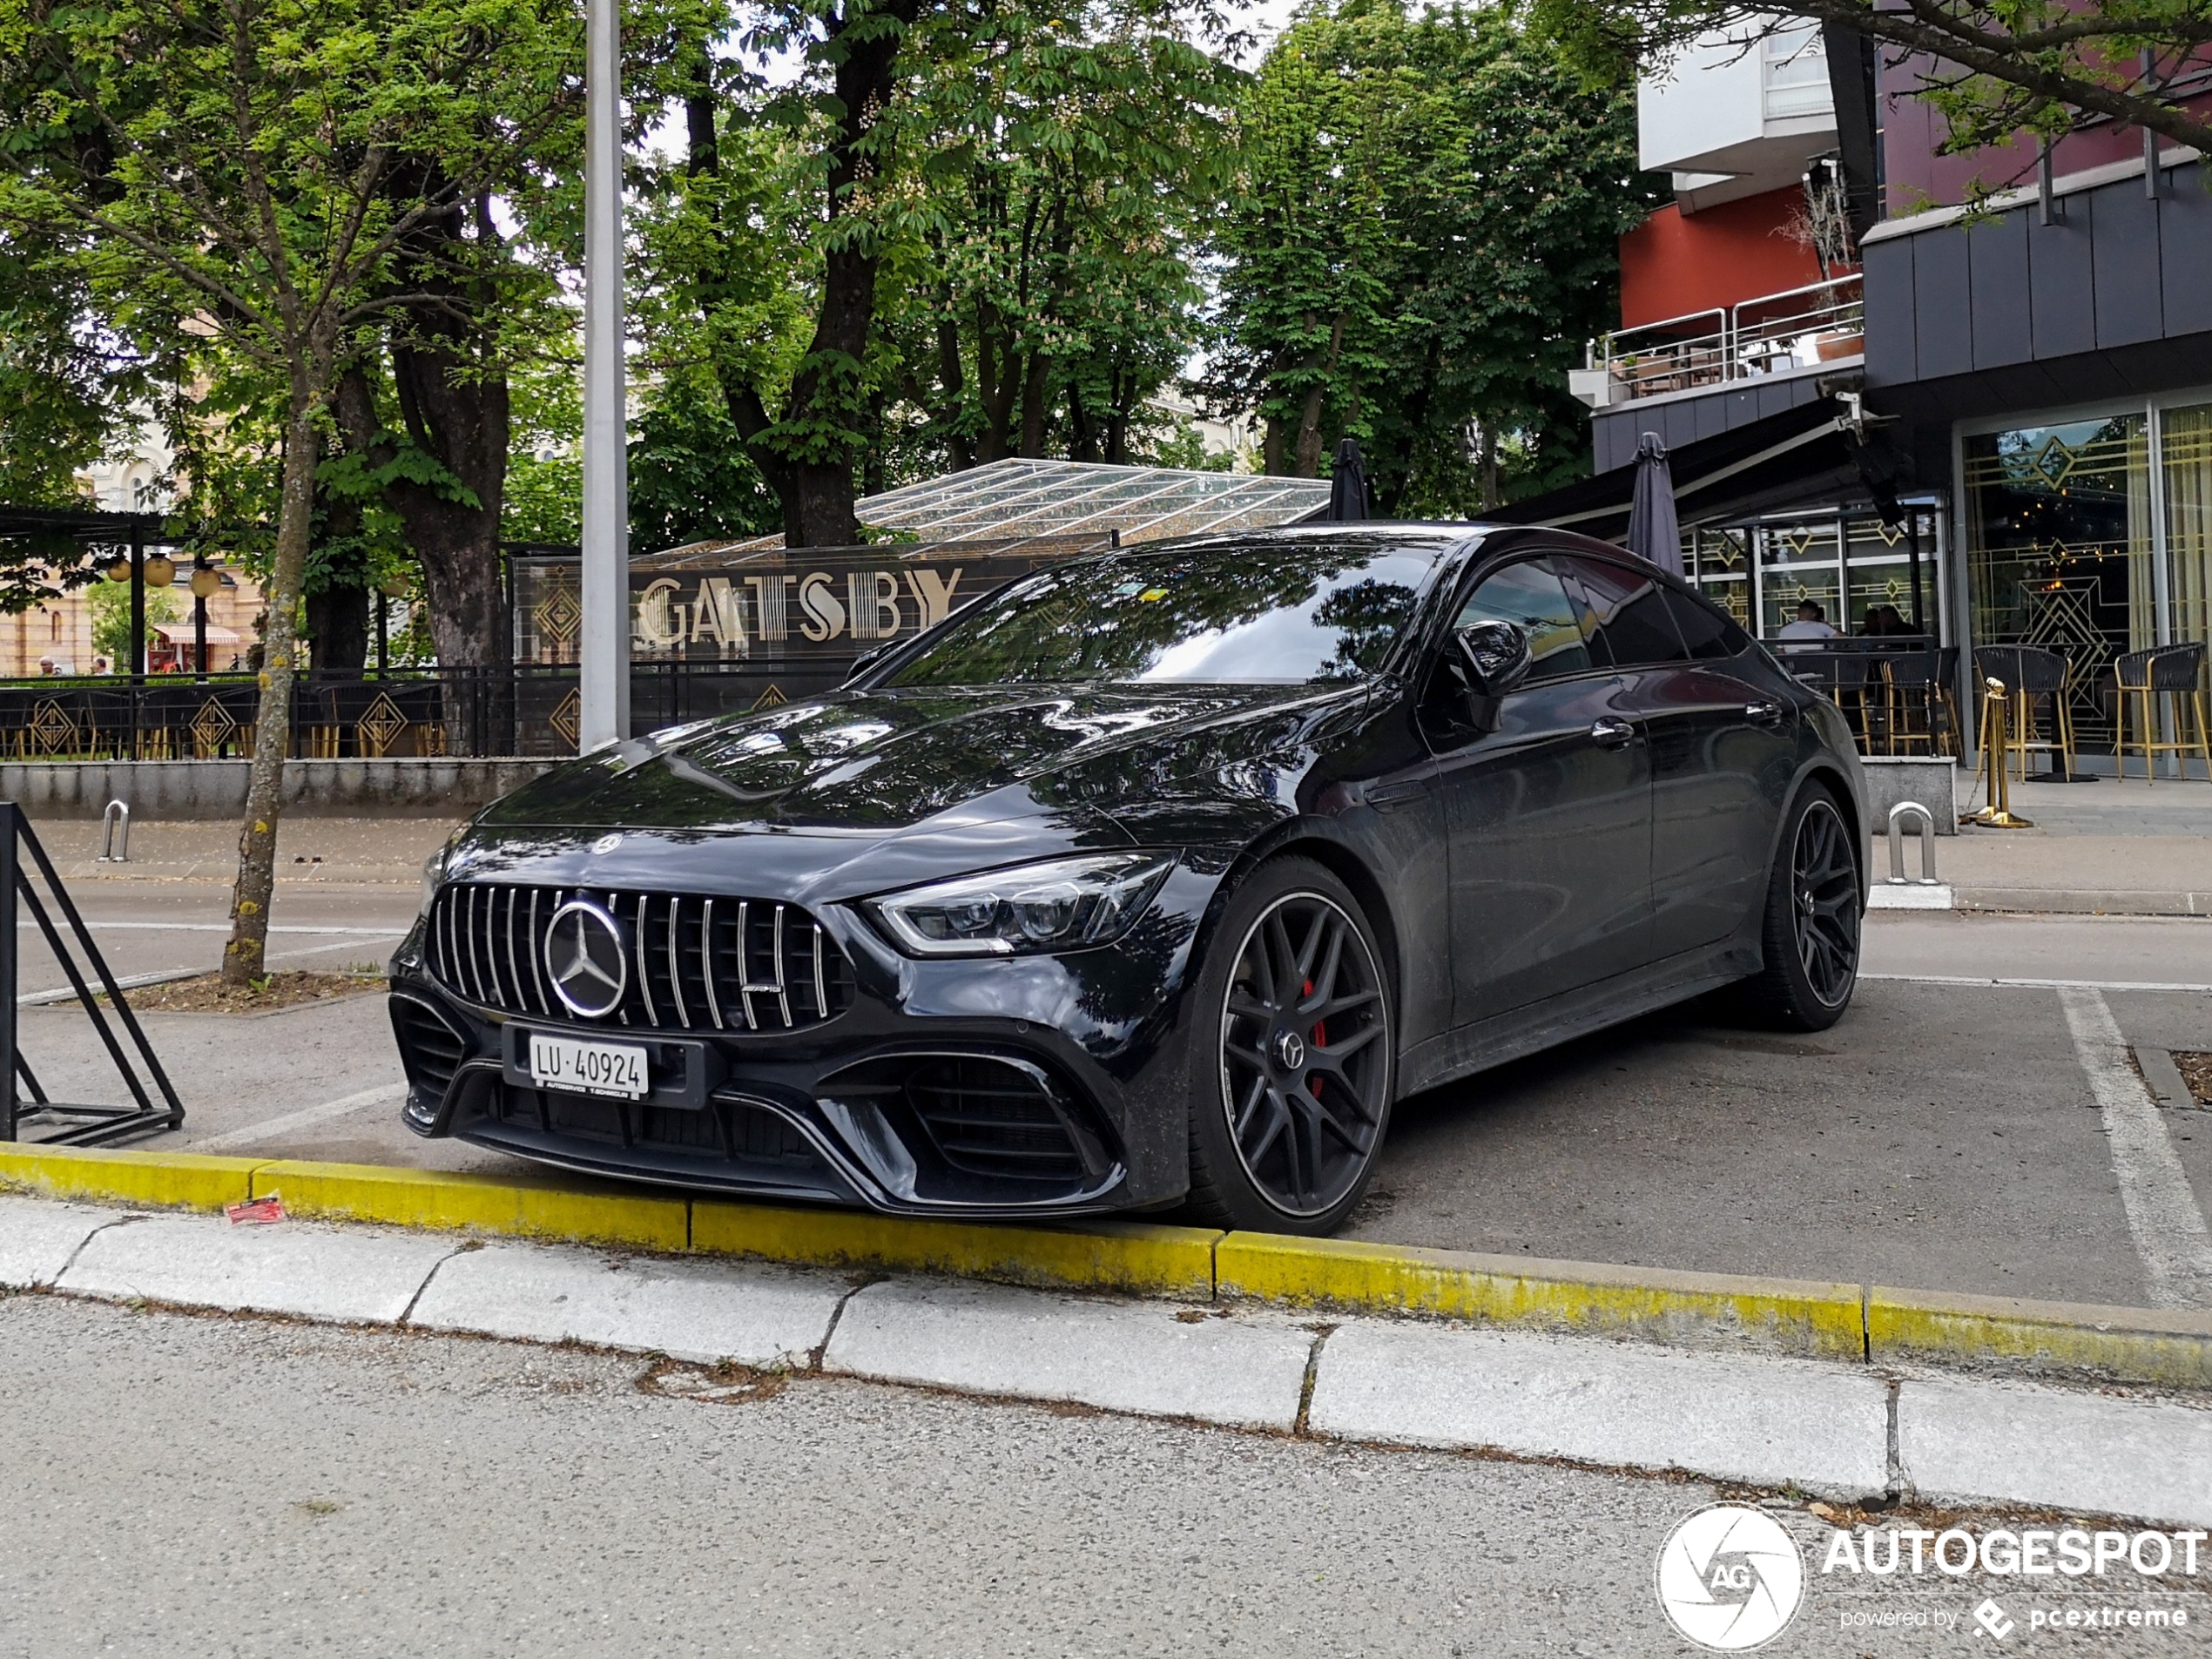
column 1037, row 1085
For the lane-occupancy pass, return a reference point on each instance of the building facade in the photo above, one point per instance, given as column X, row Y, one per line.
column 1994, row 424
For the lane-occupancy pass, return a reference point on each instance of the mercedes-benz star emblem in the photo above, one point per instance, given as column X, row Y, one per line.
column 584, row 955
column 606, row 844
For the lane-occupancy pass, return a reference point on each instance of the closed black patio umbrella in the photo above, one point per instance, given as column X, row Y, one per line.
column 1348, row 484
column 1654, row 533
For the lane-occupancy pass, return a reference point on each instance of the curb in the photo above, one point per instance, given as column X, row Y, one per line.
column 1872, row 1324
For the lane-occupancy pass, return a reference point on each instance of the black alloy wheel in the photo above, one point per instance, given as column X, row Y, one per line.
column 1823, row 887
column 1810, row 940
column 1306, row 1058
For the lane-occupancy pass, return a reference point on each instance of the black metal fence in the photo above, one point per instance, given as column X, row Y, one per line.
column 524, row 711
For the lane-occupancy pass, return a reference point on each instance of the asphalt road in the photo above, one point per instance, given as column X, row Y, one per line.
column 240, row 1487
column 1943, row 1137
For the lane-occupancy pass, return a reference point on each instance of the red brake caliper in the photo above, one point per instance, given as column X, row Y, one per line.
column 1321, row 1041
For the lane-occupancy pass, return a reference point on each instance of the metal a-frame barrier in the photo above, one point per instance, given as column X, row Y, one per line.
column 66, row 1122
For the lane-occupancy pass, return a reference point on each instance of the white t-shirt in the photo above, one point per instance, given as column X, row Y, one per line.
column 1807, row 631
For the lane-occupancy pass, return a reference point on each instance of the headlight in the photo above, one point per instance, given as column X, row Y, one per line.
column 1064, row 904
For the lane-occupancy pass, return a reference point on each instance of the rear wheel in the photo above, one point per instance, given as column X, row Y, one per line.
column 1811, row 935
column 1304, row 1049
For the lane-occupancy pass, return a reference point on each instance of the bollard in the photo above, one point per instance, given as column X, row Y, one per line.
column 1997, row 813
column 1898, row 813
column 114, row 848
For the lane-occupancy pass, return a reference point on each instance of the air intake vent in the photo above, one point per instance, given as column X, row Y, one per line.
column 429, row 1050
column 689, row 963
column 971, row 1114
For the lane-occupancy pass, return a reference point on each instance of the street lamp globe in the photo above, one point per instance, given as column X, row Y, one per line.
column 206, row 581
column 161, row 571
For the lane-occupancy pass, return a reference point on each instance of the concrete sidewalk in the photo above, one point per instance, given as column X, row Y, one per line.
column 2108, row 847
column 1849, row 1433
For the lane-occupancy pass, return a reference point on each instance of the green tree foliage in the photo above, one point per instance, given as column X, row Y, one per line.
column 1994, row 68
column 272, row 175
column 1423, row 234
column 956, row 229
column 110, row 605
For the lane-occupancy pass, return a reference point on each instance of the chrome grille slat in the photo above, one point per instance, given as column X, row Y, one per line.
column 637, row 950
column 537, row 950
column 468, row 926
column 706, row 966
column 675, row 962
column 790, row 974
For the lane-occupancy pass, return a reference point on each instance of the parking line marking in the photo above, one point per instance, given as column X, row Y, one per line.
column 2171, row 1234
column 2042, row 984
column 305, row 1117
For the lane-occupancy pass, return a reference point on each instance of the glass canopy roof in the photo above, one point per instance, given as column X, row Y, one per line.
column 1016, row 501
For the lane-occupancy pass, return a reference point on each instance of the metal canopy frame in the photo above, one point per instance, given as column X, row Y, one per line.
column 1019, row 499
column 73, row 1124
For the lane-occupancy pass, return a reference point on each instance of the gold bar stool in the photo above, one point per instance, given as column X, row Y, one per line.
column 2145, row 675
column 1922, row 711
column 2029, row 672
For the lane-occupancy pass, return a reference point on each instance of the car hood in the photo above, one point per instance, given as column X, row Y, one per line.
column 879, row 763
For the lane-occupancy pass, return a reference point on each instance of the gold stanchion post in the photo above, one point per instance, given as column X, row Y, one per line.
column 1998, row 813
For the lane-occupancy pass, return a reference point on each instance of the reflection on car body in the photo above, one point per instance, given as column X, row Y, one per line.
column 1150, row 881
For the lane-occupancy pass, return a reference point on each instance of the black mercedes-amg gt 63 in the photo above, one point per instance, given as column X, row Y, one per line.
column 1146, row 881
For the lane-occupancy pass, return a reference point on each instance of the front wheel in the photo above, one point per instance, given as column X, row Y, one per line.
column 1812, row 934
column 1286, row 1123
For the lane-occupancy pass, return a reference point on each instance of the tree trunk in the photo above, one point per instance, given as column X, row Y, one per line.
column 1274, row 447
column 1489, row 467
column 458, row 416
column 1034, row 386
column 1306, row 459
column 246, row 953
column 338, row 632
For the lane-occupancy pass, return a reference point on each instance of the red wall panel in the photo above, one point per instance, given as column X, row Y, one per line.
column 1675, row 263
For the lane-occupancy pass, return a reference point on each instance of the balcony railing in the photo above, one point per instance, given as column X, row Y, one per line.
column 1772, row 335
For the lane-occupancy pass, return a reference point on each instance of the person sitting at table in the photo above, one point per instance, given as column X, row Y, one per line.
column 1811, row 624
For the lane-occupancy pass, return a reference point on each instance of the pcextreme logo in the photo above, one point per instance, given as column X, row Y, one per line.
column 1729, row 1578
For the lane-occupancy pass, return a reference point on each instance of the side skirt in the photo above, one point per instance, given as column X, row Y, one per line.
column 1612, row 1002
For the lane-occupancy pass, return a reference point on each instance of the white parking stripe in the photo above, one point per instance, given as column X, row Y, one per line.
column 2162, row 1213
column 305, row 1117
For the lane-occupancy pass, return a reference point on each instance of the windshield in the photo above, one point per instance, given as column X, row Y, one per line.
column 1283, row 613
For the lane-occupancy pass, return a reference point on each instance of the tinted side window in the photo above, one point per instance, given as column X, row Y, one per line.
column 1529, row 596
column 1634, row 625
column 1709, row 631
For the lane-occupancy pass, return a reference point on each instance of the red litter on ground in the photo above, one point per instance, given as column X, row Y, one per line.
column 256, row 1212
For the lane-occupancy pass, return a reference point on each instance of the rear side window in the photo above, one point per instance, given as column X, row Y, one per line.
column 1634, row 625
column 1709, row 632
column 1529, row 596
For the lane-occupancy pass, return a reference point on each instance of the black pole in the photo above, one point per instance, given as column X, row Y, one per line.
column 9, row 812
column 1913, row 557
column 199, row 621
column 137, row 608
column 383, row 632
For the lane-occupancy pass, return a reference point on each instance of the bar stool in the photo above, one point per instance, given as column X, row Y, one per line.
column 2029, row 672
column 2163, row 671
column 1849, row 674
column 1921, row 709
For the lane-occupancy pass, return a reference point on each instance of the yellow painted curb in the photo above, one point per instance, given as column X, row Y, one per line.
column 1786, row 1316
column 2172, row 1346
column 180, row 1180
column 1175, row 1262
column 432, row 1198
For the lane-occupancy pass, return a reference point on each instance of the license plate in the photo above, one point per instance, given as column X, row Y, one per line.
column 579, row 1067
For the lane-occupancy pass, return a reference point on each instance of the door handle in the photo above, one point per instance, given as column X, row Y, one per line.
column 1609, row 734
column 1763, row 714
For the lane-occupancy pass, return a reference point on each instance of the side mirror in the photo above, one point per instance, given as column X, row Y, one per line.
column 1492, row 658
column 868, row 659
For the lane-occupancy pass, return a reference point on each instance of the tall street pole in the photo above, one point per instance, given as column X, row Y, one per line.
column 605, row 713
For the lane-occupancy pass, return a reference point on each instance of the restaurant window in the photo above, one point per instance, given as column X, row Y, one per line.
column 2185, row 448
column 2058, row 550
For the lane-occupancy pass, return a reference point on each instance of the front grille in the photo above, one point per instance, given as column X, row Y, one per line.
column 694, row 964
column 430, row 1052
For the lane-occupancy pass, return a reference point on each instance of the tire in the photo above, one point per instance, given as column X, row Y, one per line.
column 1297, row 1056
column 1810, row 936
